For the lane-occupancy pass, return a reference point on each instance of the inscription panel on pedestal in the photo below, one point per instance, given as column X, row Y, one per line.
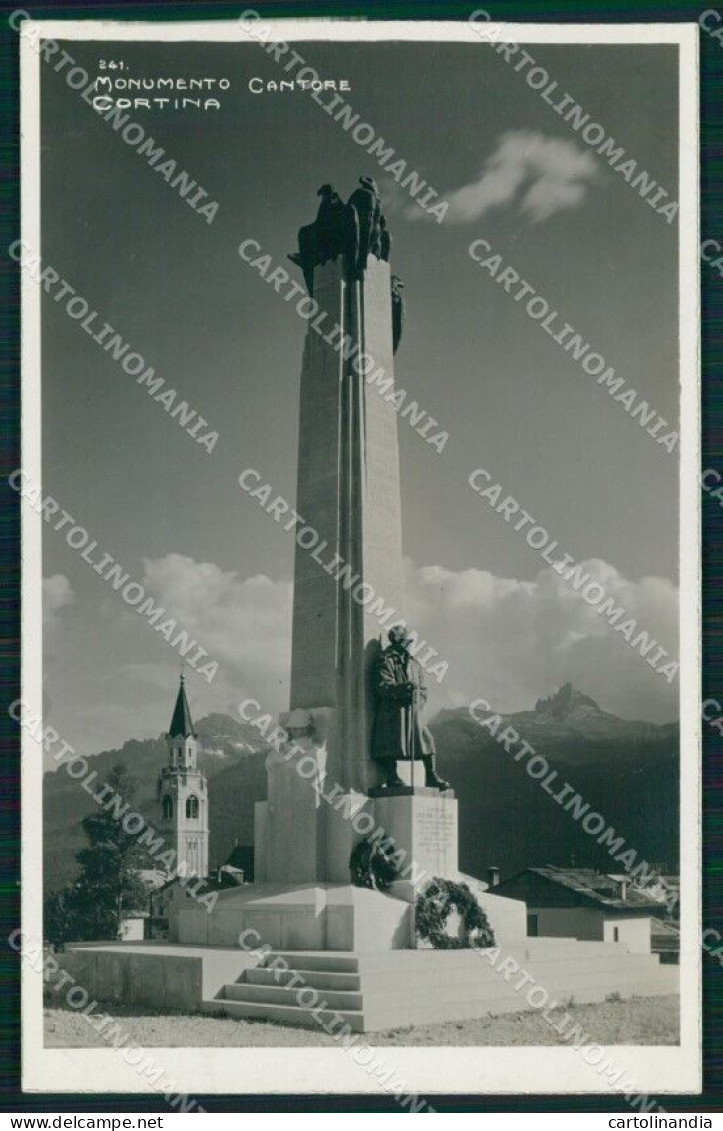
column 435, row 828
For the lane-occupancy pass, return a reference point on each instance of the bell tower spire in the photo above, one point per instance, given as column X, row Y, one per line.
column 183, row 793
column 181, row 727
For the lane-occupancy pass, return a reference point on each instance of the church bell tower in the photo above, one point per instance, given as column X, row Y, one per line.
column 183, row 795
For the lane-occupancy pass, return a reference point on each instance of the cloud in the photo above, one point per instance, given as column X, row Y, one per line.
column 541, row 175
column 57, row 594
column 507, row 640
column 245, row 624
column 512, row 641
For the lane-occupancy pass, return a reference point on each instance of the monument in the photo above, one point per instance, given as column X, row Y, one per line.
column 355, row 704
column 358, row 762
column 354, row 773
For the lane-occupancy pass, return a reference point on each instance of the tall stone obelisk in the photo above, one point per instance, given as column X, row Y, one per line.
column 348, row 491
column 348, row 575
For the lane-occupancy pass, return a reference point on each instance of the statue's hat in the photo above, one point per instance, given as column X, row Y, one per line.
column 369, row 182
column 325, row 189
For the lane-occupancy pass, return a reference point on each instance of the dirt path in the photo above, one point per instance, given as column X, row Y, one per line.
column 638, row 1021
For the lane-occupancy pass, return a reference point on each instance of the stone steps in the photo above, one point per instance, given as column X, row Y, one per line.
column 320, row 979
column 370, row 992
column 340, row 962
column 343, row 1000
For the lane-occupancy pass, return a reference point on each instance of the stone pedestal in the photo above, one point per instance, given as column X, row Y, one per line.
column 341, row 835
column 291, row 824
column 305, row 832
column 423, row 824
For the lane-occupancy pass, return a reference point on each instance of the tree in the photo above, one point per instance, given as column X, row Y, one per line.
column 60, row 919
column 108, row 885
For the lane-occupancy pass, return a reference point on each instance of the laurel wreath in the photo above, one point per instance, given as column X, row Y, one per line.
column 432, row 911
column 371, row 865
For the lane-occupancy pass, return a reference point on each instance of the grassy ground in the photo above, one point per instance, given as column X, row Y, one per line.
column 638, row 1021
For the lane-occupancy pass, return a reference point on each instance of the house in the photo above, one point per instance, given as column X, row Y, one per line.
column 666, row 940
column 584, row 904
column 171, row 894
column 132, row 927
column 666, row 888
column 239, row 868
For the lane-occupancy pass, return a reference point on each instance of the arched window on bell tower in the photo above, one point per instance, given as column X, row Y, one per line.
column 192, row 808
column 167, row 808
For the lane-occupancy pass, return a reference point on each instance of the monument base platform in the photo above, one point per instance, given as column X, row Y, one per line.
column 319, row 917
column 312, row 916
column 371, row 992
column 368, row 992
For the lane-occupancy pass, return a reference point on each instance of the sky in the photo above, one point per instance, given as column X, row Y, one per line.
column 511, row 400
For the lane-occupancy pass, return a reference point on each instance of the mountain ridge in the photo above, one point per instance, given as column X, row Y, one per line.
column 504, row 816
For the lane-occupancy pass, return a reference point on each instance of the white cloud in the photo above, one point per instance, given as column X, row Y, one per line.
column 513, row 641
column 57, row 594
column 509, row 641
column 244, row 624
column 542, row 175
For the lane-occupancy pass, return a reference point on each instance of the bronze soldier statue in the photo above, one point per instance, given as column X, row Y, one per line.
column 399, row 733
column 326, row 234
column 332, row 233
column 365, row 201
column 335, row 226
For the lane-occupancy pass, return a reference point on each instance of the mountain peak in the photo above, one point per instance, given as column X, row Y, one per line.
column 566, row 703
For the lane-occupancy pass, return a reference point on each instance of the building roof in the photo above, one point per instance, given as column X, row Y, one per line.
column 592, row 888
column 664, row 935
column 241, row 856
column 181, row 723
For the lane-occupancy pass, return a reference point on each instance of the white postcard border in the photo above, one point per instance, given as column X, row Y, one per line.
column 660, row 1070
